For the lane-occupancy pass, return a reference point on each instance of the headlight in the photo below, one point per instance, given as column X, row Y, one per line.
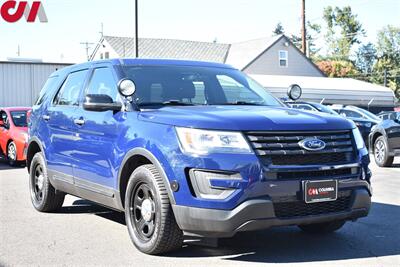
column 363, row 124
column 204, row 141
column 358, row 138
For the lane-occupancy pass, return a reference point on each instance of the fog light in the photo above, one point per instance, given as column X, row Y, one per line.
column 213, row 185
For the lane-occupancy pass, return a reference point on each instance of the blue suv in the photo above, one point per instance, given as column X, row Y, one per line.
column 191, row 148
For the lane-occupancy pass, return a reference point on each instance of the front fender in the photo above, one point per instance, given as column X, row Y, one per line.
column 155, row 161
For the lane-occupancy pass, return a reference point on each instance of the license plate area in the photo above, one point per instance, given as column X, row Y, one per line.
column 320, row 191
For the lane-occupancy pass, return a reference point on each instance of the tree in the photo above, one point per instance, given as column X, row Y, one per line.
column 338, row 68
column 343, row 31
column 278, row 29
column 312, row 31
column 388, row 53
column 366, row 57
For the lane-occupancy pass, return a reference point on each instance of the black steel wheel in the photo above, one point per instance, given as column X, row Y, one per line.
column 44, row 197
column 149, row 217
column 143, row 208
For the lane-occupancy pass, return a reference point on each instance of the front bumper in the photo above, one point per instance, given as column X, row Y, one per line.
column 257, row 214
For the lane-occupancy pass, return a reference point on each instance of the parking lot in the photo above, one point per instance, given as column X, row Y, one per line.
column 83, row 234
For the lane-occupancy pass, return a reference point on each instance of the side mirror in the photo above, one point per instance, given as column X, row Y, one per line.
column 126, row 87
column 101, row 103
column 294, row 92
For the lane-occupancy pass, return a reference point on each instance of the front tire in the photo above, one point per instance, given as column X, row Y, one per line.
column 381, row 153
column 44, row 197
column 148, row 213
column 12, row 154
column 322, row 228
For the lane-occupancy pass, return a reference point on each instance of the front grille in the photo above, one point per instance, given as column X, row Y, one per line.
column 282, row 148
column 288, row 210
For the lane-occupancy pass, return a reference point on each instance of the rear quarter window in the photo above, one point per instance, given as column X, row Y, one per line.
column 48, row 87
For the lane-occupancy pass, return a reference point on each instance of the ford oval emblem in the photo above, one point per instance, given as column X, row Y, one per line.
column 312, row 144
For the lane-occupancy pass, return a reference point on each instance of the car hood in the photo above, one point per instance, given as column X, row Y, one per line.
column 244, row 118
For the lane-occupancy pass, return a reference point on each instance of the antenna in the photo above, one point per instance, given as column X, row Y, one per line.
column 87, row 47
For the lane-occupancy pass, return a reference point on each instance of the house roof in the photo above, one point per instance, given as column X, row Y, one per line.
column 236, row 54
column 243, row 53
column 240, row 55
column 169, row 49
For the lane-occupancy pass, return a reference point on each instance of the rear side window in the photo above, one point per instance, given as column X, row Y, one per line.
column 68, row 95
column 50, row 83
column 103, row 83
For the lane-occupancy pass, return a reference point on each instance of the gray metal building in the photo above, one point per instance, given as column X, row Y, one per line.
column 20, row 82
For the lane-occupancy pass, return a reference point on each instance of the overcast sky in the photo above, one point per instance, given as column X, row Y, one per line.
column 72, row 21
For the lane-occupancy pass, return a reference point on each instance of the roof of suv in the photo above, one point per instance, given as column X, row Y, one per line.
column 146, row 62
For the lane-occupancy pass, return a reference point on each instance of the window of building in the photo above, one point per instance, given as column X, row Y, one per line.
column 107, row 55
column 68, row 95
column 101, row 56
column 283, row 58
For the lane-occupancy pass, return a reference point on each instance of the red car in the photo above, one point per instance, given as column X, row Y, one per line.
column 13, row 134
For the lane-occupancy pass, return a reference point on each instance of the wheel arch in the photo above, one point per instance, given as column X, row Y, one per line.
column 136, row 158
column 374, row 137
column 34, row 147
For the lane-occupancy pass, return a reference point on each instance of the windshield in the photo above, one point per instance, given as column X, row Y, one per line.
column 19, row 118
column 191, row 85
column 325, row 109
column 368, row 114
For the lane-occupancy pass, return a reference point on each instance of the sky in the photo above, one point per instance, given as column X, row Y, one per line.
column 71, row 22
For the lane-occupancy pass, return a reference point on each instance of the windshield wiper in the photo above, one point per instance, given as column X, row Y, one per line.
column 166, row 103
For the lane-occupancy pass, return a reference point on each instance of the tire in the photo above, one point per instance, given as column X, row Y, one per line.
column 44, row 197
column 322, row 228
column 12, row 154
column 381, row 153
column 149, row 217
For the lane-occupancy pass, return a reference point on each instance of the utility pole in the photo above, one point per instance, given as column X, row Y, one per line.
column 87, row 47
column 136, row 30
column 19, row 51
column 303, row 27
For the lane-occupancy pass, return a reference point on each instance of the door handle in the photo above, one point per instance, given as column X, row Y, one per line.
column 79, row 122
column 46, row 117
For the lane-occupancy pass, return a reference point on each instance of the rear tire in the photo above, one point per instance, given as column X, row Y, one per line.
column 381, row 153
column 148, row 213
column 322, row 228
column 44, row 196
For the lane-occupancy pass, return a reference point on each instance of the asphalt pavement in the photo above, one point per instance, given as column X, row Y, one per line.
column 85, row 234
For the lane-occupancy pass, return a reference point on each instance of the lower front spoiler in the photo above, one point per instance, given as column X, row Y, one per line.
column 258, row 214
